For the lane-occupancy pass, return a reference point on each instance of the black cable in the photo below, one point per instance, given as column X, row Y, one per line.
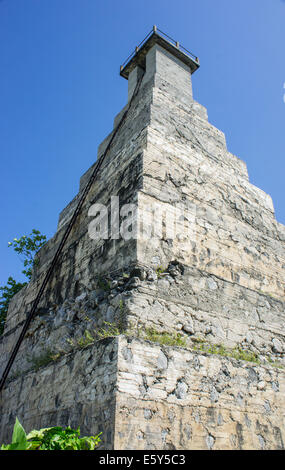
column 86, row 190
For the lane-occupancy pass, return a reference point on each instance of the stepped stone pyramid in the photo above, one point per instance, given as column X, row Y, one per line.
column 199, row 303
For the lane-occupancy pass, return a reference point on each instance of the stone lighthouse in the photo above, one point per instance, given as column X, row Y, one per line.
column 162, row 322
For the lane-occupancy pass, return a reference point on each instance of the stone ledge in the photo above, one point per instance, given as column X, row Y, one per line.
column 144, row 395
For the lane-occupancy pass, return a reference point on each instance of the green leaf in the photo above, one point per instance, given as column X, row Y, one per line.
column 19, row 437
column 10, row 447
column 55, row 438
column 34, row 445
column 37, row 434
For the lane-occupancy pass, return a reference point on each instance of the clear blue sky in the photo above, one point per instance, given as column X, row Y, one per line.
column 60, row 90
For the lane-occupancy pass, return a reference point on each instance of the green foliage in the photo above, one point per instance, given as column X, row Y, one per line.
column 19, row 438
column 26, row 247
column 111, row 330
column 7, row 292
column 43, row 359
column 237, row 352
column 103, row 284
column 159, row 271
column 54, row 438
column 244, row 355
column 89, row 337
column 164, row 338
column 275, row 363
column 58, row 438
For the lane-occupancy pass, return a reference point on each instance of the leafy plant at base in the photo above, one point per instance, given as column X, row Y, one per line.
column 19, row 438
column 58, row 438
column 54, row 438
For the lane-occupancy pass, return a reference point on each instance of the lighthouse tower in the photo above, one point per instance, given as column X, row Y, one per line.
column 161, row 321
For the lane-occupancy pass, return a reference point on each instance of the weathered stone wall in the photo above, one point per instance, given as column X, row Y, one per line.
column 171, row 398
column 236, row 235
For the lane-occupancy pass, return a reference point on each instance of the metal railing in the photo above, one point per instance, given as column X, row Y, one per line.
column 158, row 31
